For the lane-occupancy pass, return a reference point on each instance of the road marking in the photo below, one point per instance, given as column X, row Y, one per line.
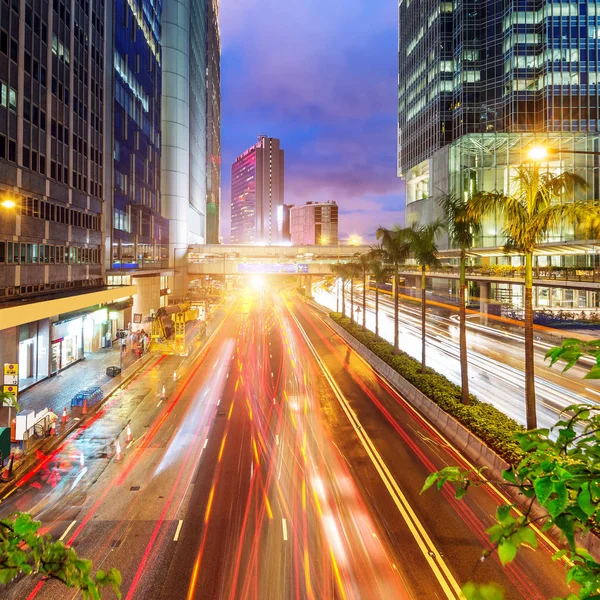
column 277, row 439
column 284, row 526
column 159, row 403
column 431, row 554
column 177, row 531
column 64, row 535
column 205, row 442
column 593, row 391
column 218, row 401
column 9, row 493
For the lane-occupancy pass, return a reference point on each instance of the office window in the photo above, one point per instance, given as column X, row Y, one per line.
column 12, row 99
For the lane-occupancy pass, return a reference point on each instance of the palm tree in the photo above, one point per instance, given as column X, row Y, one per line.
column 380, row 273
column 528, row 216
column 421, row 241
column 337, row 270
column 363, row 263
column 462, row 231
column 353, row 271
column 395, row 250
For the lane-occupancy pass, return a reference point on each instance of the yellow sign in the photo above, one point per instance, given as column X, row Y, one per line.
column 11, row 369
column 11, row 389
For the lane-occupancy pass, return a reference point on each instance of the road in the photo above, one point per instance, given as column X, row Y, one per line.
column 278, row 465
column 495, row 356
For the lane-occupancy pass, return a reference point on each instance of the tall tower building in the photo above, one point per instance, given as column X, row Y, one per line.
column 480, row 82
column 139, row 233
column 257, row 194
column 213, row 125
column 52, row 194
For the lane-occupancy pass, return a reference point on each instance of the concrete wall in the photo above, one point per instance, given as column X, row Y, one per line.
column 146, row 299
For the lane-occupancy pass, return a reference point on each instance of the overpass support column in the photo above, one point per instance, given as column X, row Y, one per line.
column 299, row 281
column 484, row 298
column 308, row 286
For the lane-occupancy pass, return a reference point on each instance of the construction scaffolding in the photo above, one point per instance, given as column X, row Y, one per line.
column 165, row 340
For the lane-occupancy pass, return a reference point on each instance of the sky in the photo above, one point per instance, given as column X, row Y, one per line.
column 320, row 75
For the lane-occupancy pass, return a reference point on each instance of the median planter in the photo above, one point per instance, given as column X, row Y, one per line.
column 438, row 398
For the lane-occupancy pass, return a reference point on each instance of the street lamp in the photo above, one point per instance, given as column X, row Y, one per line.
column 355, row 240
column 541, row 153
column 8, row 203
column 324, row 240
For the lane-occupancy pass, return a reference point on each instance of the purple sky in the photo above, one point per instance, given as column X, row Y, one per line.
column 321, row 75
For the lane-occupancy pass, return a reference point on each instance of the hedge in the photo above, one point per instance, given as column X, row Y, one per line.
column 484, row 420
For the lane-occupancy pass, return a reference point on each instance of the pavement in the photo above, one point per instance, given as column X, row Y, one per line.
column 279, row 465
column 56, row 392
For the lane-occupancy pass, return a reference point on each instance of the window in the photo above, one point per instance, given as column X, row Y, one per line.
column 42, row 165
column 3, row 42
column 12, row 99
column 26, row 157
column 27, row 62
column 3, row 95
column 12, row 151
column 14, row 49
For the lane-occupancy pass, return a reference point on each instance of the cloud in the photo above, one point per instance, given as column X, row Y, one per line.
column 322, row 77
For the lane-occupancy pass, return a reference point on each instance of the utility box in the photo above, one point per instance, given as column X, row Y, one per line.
column 4, row 442
column 113, row 371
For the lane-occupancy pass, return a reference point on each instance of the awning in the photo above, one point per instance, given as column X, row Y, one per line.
column 33, row 310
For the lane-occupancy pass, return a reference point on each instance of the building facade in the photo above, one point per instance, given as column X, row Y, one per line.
column 52, row 64
column 314, row 223
column 139, row 233
column 482, row 82
column 257, row 194
column 213, row 124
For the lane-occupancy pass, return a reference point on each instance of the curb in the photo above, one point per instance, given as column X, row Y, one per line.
column 49, row 445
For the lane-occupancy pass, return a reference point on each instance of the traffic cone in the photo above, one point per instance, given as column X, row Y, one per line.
column 174, row 375
column 65, row 418
column 84, row 409
column 53, row 428
column 163, row 394
column 7, row 473
column 129, row 436
column 118, row 456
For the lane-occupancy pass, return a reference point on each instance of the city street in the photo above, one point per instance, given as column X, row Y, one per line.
column 278, row 465
column 495, row 356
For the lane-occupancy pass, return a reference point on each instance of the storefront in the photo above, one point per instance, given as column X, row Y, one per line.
column 66, row 344
column 33, row 352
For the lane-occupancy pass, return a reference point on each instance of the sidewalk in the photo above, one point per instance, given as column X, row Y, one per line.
column 56, row 392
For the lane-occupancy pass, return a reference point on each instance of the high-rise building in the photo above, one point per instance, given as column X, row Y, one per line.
column 257, row 194
column 52, row 157
column 480, row 83
column 314, row 223
column 190, row 118
column 139, row 233
column 213, row 124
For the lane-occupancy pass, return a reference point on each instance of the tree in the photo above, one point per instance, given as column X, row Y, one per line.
column 363, row 262
column 380, row 273
column 422, row 245
column 353, row 270
column 528, row 216
column 561, row 471
column 462, row 230
column 395, row 250
column 23, row 550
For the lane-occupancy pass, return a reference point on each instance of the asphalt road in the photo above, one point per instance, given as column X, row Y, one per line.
column 495, row 357
column 277, row 466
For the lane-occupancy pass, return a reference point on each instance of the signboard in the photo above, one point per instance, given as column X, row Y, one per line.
column 11, row 369
column 137, row 318
column 11, row 380
column 11, row 389
column 275, row 269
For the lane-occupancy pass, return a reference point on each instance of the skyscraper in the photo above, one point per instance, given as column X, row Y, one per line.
column 314, row 223
column 257, row 194
column 213, row 125
column 190, row 45
column 52, row 64
column 480, row 83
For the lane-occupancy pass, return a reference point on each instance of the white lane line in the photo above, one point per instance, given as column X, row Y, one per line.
column 284, row 526
column 277, row 438
column 593, row 391
column 64, row 535
column 159, row 403
column 178, row 530
column 218, row 401
column 205, row 443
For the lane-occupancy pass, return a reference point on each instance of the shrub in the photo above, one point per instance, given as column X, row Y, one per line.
column 484, row 420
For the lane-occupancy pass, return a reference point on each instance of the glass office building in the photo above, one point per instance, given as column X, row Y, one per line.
column 139, row 232
column 480, row 83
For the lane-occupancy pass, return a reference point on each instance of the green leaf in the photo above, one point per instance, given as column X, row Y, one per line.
column 506, row 551
column 558, row 555
column 503, row 511
column 490, row 591
column 557, row 505
column 593, row 373
column 430, row 481
column 509, row 475
column 584, row 500
column 527, row 536
column 543, row 488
